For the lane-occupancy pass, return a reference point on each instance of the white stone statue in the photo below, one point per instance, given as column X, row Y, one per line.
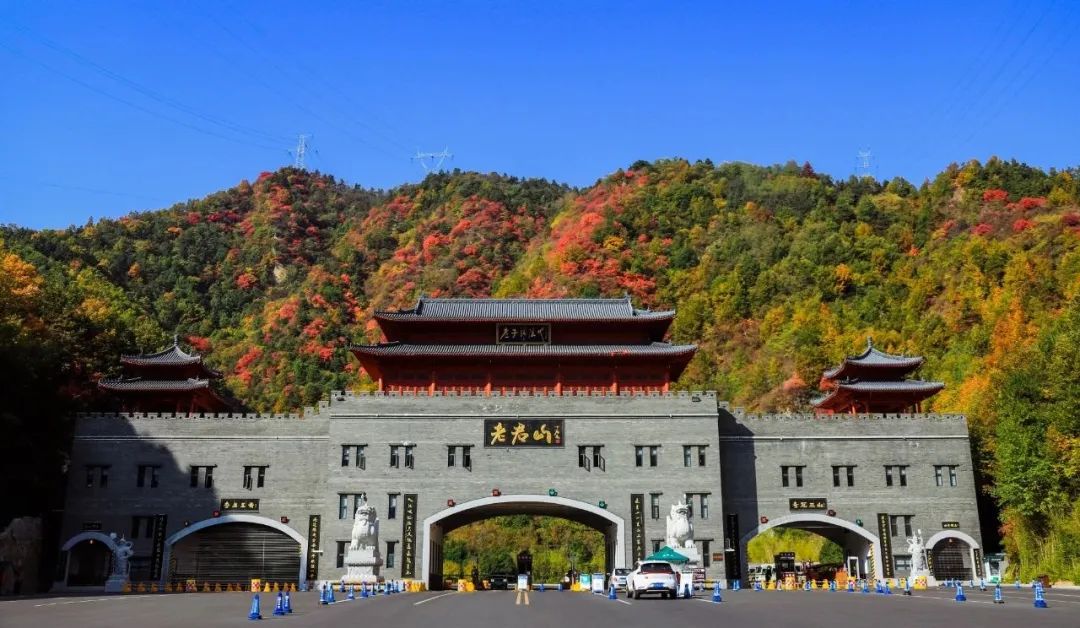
column 365, row 529
column 680, row 532
column 917, row 549
column 121, row 555
column 362, row 560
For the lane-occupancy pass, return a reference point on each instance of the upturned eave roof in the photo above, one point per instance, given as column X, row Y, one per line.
column 531, row 310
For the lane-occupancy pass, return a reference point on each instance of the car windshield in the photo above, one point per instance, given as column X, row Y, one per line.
column 621, row 572
column 655, row 568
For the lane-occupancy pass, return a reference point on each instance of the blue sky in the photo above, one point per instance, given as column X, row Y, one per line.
column 111, row 106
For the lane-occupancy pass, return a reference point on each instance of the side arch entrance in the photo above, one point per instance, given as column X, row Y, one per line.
column 88, row 559
column 235, row 549
column 952, row 555
column 438, row 525
column 862, row 550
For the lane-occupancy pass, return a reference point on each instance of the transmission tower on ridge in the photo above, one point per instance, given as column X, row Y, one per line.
column 864, row 167
column 301, row 150
column 432, row 161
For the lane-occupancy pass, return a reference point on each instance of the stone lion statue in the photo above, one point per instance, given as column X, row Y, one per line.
column 365, row 530
column 121, row 555
column 680, row 532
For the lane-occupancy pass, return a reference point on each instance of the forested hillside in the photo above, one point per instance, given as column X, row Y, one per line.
column 777, row 272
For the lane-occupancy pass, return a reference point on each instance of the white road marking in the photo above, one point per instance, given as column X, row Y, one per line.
column 623, row 602
column 425, row 601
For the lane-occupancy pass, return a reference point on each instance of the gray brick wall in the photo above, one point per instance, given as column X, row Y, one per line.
column 742, row 475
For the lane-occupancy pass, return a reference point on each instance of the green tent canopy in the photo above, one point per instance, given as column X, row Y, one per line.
column 668, row 555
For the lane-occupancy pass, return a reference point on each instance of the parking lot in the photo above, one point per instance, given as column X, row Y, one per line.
column 566, row 609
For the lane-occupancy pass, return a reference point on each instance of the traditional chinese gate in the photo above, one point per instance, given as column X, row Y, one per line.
column 438, row 525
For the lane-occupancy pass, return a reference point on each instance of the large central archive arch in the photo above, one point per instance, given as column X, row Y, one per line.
column 508, row 406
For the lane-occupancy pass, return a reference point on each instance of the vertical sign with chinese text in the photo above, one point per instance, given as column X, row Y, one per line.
column 637, row 525
column 886, row 544
column 731, row 540
column 157, row 553
column 408, row 538
column 314, row 532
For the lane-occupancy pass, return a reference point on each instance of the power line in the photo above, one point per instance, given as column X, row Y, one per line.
column 133, row 105
column 310, row 72
column 148, row 92
column 289, row 96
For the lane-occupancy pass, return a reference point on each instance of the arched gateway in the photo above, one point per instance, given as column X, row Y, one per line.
column 487, row 407
column 441, row 523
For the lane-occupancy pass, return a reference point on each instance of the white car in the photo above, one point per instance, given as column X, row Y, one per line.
column 653, row 577
column 619, row 577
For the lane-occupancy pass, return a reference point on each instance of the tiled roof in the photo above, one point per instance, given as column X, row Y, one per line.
column 874, row 358
column 915, row 388
column 173, row 356
column 495, row 350
column 902, row 386
column 524, row 309
column 139, row 384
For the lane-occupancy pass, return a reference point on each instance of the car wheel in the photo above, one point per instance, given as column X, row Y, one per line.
column 674, row 594
column 637, row 595
column 629, row 593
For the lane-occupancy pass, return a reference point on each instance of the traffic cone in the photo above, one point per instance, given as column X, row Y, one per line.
column 323, row 597
column 542, row 587
column 806, row 586
column 997, row 595
column 738, row 585
column 1018, row 584
column 832, row 585
column 352, row 593
column 288, row 603
column 982, row 584
column 1040, row 601
column 332, row 600
column 279, row 606
column 363, row 590
column 611, row 592
column 716, row 593
column 865, row 587
column 907, row 586
column 255, row 613
column 960, row 597
column 850, row 586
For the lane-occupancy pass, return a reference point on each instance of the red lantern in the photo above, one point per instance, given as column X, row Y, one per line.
column 216, row 513
column 284, row 519
column 451, row 503
column 831, row 513
column 764, row 519
column 495, row 492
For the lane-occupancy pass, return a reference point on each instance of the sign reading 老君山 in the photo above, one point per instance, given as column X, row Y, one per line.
column 408, row 538
column 523, row 433
column 249, row 505
column 637, row 525
column 523, row 334
column 815, row 503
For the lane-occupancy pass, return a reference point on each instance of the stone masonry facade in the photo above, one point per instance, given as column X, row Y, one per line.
column 740, row 477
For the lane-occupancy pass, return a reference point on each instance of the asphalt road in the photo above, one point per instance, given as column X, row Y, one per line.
column 555, row 610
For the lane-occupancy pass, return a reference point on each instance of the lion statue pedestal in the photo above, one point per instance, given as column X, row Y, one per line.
column 362, row 561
